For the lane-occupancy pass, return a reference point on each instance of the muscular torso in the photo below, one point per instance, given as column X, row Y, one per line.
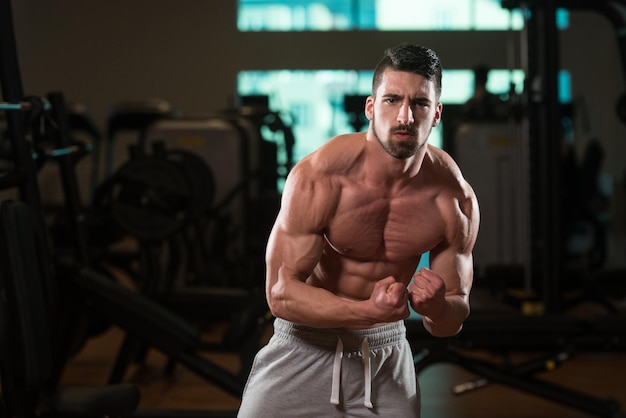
column 377, row 231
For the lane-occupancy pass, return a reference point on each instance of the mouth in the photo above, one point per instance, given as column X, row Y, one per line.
column 403, row 135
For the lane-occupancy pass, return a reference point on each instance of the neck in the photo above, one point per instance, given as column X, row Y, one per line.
column 383, row 167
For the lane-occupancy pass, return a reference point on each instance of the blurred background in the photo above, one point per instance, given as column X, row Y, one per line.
column 153, row 139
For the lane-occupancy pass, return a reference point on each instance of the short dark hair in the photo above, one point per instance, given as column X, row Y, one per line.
column 410, row 58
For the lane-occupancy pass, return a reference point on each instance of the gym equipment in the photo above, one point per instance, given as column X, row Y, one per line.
column 148, row 324
column 84, row 149
column 133, row 117
column 354, row 106
column 223, row 146
column 256, row 109
column 199, row 176
column 28, row 382
column 162, row 199
column 152, row 196
column 552, row 335
column 22, row 106
column 146, row 321
column 243, row 192
column 148, row 198
column 542, row 113
column 234, row 230
column 194, row 255
column 30, row 369
column 491, row 157
column 127, row 123
column 85, row 144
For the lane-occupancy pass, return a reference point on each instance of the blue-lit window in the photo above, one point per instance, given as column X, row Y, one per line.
column 300, row 15
column 322, row 15
column 313, row 101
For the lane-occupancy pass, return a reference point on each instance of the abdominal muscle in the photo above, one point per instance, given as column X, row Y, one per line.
column 354, row 279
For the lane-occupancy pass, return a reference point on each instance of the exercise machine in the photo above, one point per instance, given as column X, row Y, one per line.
column 549, row 334
column 83, row 286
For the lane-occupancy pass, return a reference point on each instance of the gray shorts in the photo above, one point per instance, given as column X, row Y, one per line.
column 317, row 373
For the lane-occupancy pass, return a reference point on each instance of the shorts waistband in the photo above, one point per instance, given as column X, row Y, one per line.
column 326, row 338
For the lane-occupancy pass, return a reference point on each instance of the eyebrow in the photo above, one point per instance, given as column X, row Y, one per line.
column 420, row 99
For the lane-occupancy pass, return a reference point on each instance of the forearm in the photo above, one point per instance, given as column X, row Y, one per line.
column 298, row 302
column 450, row 320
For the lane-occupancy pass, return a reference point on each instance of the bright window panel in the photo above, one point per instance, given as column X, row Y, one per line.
column 324, row 15
column 300, row 15
column 313, row 101
column 445, row 15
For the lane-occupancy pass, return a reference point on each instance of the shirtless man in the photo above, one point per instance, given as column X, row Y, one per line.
column 356, row 216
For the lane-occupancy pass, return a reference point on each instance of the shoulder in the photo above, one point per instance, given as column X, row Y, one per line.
column 314, row 184
column 455, row 197
column 336, row 158
column 441, row 166
column 338, row 154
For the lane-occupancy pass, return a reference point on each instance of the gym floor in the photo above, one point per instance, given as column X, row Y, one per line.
column 185, row 394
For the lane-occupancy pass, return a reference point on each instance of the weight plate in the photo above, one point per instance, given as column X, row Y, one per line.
column 200, row 179
column 149, row 198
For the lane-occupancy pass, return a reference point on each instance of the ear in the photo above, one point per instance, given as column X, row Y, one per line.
column 438, row 112
column 369, row 107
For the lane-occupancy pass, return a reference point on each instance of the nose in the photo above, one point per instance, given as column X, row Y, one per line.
column 405, row 114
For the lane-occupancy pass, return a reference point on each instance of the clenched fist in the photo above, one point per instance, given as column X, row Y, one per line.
column 390, row 300
column 427, row 293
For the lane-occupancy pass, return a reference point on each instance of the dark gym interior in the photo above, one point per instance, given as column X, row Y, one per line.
column 137, row 191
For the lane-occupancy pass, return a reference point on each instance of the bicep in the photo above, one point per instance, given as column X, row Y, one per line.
column 296, row 241
column 452, row 259
column 293, row 251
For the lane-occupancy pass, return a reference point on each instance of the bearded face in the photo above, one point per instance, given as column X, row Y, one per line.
column 403, row 112
column 401, row 149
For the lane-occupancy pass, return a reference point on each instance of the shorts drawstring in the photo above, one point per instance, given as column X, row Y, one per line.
column 367, row 366
column 334, row 391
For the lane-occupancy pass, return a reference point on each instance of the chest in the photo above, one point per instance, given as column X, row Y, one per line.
column 381, row 226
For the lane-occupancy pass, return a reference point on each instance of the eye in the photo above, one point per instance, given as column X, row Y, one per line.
column 390, row 100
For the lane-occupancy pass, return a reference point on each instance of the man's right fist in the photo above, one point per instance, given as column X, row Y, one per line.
column 390, row 297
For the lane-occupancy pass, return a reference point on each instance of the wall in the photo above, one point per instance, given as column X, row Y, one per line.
column 189, row 52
